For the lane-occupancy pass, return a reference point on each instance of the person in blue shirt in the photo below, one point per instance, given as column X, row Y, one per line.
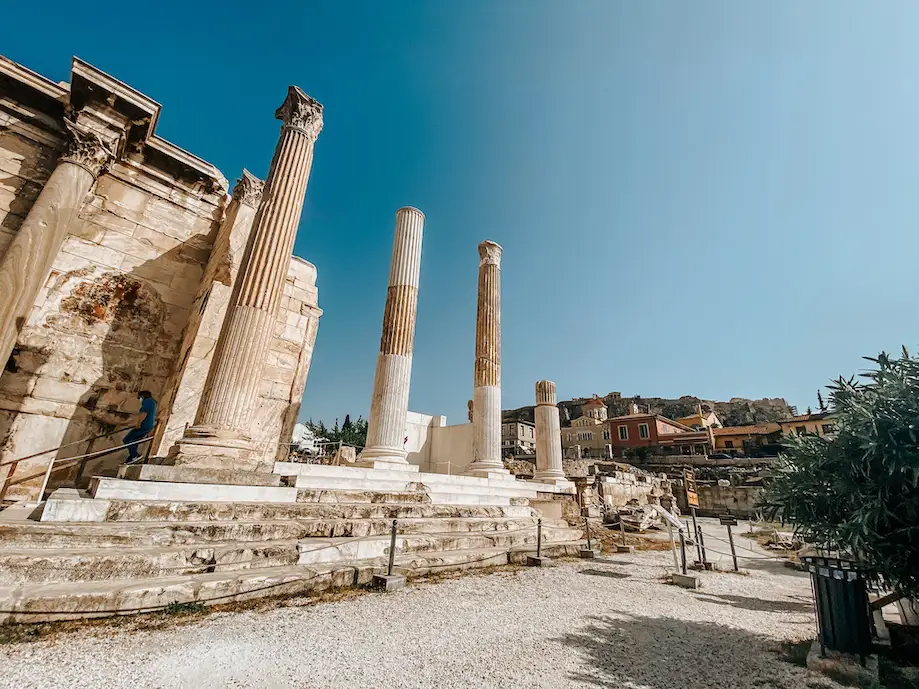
column 144, row 428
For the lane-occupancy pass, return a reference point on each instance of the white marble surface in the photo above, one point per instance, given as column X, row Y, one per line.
column 117, row 489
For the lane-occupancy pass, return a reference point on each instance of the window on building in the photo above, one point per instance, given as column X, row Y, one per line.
column 623, row 433
column 829, row 428
column 569, row 437
column 606, row 434
column 532, row 432
column 729, row 443
column 590, row 435
column 800, row 430
column 643, row 431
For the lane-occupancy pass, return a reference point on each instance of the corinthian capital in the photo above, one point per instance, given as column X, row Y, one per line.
column 301, row 112
column 248, row 189
column 86, row 148
column 489, row 253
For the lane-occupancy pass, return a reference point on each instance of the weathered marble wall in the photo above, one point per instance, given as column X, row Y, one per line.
column 124, row 294
column 109, row 318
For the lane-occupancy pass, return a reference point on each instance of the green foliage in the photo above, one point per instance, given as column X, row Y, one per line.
column 860, row 491
column 184, row 608
column 349, row 433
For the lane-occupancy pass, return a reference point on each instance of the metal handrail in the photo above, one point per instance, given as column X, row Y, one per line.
column 55, row 449
column 66, row 462
column 78, row 458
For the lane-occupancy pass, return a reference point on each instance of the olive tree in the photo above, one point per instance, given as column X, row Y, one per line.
column 859, row 491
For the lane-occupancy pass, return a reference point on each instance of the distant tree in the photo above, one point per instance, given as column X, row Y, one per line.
column 350, row 433
column 808, row 411
column 859, row 491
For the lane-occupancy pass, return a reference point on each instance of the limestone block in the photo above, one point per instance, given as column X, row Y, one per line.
column 94, row 214
column 128, row 245
column 58, row 390
column 96, row 253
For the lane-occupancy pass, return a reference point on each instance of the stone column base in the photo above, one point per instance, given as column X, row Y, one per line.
column 217, row 453
column 553, row 478
column 483, row 470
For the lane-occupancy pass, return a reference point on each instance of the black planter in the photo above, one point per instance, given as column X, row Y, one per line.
column 841, row 597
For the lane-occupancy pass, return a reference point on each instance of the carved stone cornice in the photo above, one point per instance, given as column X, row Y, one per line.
column 489, row 253
column 86, row 149
column 248, row 189
column 301, row 112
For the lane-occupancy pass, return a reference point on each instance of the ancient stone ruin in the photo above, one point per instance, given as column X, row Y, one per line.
column 126, row 266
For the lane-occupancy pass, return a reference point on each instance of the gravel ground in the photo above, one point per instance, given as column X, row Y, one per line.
column 607, row 623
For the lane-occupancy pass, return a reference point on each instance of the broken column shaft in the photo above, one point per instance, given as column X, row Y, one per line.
column 548, row 435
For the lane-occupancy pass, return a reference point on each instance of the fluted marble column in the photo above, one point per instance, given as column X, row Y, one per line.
column 222, row 425
column 486, row 405
column 548, row 435
column 29, row 257
column 179, row 406
column 389, row 405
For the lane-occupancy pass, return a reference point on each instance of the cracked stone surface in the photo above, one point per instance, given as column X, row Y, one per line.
column 611, row 622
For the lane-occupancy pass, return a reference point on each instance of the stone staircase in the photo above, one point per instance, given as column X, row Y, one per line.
column 137, row 555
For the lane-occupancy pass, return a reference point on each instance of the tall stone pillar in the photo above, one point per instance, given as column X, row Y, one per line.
column 221, row 436
column 548, row 435
column 389, row 405
column 29, row 257
column 179, row 407
column 486, row 405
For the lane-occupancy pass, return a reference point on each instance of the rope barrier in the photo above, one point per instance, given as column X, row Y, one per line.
column 749, row 550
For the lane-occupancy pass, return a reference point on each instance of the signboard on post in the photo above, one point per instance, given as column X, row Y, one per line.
column 728, row 520
column 689, row 483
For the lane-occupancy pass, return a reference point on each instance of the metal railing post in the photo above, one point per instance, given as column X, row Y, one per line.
column 587, row 530
column 702, row 545
column 392, row 548
column 44, row 483
column 683, row 550
column 539, row 538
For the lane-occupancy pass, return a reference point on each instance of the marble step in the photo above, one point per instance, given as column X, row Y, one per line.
column 430, row 485
column 117, row 534
column 87, row 563
column 361, row 473
column 360, row 496
column 104, row 488
column 76, row 600
column 323, row 550
column 181, row 474
column 56, row 565
column 160, row 511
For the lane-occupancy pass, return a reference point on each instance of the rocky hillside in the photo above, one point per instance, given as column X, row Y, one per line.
column 737, row 412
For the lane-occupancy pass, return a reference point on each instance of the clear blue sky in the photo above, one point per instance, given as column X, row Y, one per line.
column 709, row 198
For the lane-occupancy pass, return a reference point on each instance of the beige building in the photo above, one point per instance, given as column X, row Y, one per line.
column 822, row 424
column 125, row 252
column 518, row 438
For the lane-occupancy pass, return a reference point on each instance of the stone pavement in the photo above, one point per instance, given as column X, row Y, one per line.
column 610, row 622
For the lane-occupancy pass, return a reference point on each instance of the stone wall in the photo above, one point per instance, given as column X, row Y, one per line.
column 132, row 301
column 621, row 487
column 451, row 449
column 109, row 319
column 738, row 500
